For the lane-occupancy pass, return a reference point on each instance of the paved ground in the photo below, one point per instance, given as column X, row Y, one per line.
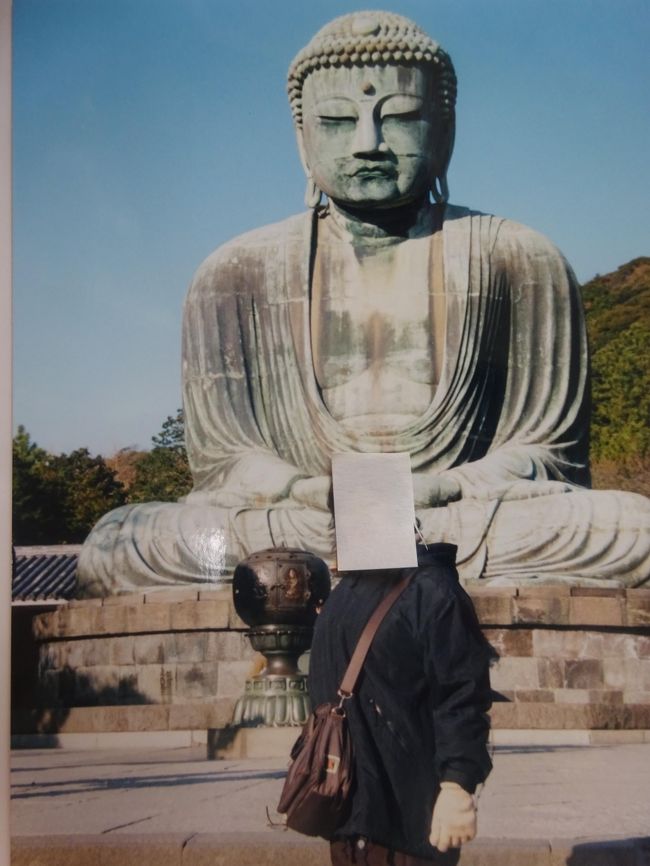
column 537, row 793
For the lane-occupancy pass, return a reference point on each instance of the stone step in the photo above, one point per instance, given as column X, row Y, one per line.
column 289, row 849
column 570, row 716
column 151, row 717
column 138, row 717
column 189, row 610
column 570, row 658
column 246, row 743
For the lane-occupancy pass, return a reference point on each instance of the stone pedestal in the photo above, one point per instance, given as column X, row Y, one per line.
column 571, row 658
column 273, row 700
column 280, row 695
column 178, row 660
column 160, row 661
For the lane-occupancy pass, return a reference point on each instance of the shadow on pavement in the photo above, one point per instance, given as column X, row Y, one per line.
column 86, row 786
column 615, row 852
column 56, row 691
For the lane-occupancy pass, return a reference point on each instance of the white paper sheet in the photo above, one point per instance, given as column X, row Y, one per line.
column 374, row 512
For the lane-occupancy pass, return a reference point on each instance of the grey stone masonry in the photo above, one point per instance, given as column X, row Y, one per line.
column 569, row 658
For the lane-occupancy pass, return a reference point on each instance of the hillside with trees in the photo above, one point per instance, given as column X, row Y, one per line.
column 617, row 307
column 59, row 497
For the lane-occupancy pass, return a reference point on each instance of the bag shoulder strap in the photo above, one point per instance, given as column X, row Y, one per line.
column 351, row 675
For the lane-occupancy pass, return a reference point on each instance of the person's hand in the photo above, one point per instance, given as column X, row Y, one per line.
column 313, row 492
column 454, row 818
column 431, row 491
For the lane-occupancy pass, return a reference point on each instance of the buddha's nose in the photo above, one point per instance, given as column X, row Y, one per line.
column 368, row 136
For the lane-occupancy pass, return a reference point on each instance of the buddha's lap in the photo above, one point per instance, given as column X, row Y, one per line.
column 593, row 533
column 602, row 534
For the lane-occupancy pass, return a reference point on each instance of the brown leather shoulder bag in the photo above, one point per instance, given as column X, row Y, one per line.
column 316, row 796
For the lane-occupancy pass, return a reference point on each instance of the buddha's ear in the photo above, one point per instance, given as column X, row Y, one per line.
column 301, row 151
column 444, row 149
column 313, row 195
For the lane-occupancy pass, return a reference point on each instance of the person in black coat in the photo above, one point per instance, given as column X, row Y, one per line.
column 418, row 719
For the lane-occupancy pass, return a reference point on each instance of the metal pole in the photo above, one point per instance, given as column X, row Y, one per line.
column 5, row 421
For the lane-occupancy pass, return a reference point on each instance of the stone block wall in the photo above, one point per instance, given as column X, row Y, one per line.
column 178, row 659
column 570, row 657
column 166, row 660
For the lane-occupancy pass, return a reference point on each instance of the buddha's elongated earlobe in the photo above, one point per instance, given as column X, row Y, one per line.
column 313, row 195
column 440, row 189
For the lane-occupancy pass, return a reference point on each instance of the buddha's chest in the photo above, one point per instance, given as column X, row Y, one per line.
column 372, row 311
column 371, row 330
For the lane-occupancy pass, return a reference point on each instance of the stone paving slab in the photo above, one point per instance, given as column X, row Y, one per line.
column 543, row 805
column 98, row 850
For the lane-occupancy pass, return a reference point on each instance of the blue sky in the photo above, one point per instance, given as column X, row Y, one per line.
column 147, row 132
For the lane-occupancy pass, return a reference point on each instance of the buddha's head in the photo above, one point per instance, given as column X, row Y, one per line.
column 373, row 102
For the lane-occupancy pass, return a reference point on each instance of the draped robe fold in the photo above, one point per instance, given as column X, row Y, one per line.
column 508, row 419
column 514, row 372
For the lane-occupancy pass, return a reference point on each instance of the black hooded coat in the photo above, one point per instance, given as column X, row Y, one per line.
column 419, row 713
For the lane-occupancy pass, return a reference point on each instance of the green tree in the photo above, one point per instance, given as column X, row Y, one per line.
column 163, row 474
column 172, row 434
column 36, row 494
column 58, row 498
column 123, row 464
column 90, row 489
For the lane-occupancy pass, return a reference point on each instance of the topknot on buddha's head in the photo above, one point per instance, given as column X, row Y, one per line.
column 369, row 39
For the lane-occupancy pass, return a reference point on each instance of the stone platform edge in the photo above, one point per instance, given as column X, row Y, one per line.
column 521, row 738
column 277, row 848
column 176, row 660
column 196, row 610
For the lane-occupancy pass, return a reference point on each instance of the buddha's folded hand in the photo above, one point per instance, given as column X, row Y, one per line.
column 313, row 492
column 454, row 817
column 434, row 490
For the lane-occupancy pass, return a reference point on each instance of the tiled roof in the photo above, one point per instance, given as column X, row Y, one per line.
column 42, row 573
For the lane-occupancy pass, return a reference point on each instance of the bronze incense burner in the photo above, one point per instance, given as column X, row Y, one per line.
column 278, row 592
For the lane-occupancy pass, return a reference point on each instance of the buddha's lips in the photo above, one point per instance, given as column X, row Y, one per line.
column 375, row 171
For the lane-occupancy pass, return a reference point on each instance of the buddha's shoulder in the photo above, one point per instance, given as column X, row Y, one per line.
column 258, row 246
column 501, row 232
